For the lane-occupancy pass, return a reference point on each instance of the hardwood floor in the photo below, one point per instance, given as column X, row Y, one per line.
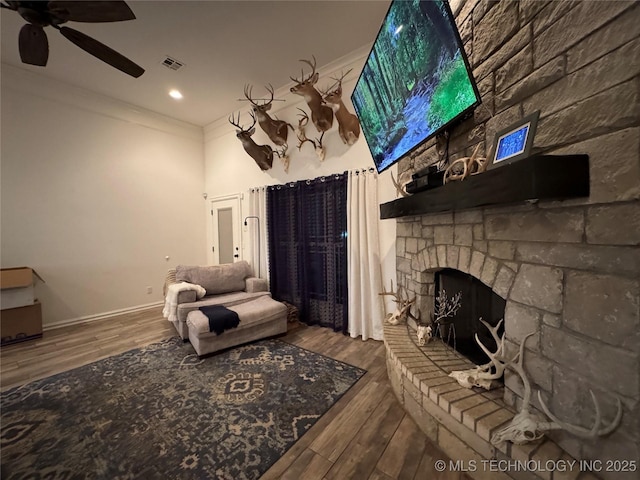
column 365, row 435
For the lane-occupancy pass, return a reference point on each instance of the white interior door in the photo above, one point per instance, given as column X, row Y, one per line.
column 226, row 232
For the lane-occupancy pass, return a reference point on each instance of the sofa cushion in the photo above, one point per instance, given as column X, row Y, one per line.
column 216, row 279
column 225, row 299
column 260, row 310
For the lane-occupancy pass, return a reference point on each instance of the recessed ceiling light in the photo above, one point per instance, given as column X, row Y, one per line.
column 175, row 94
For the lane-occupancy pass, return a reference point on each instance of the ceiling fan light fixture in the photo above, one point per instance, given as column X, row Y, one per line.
column 175, row 94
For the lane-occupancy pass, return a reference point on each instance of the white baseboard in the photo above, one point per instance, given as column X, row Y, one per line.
column 100, row 316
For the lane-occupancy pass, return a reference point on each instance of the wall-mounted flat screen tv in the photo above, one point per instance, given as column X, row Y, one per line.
column 416, row 81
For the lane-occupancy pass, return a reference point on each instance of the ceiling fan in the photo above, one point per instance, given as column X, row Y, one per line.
column 33, row 43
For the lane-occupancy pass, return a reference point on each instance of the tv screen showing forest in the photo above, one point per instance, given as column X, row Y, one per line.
column 416, row 80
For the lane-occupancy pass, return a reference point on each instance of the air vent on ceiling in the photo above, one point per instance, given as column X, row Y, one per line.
column 172, row 63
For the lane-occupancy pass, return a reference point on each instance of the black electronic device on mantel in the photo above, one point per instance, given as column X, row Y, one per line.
column 416, row 81
column 425, row 182
column 430, row 170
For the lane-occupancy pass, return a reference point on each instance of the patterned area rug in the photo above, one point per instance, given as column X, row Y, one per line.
column 161, row 413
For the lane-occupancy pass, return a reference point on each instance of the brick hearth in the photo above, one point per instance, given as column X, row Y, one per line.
column 461, row 420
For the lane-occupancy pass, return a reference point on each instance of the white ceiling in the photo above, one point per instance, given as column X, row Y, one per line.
column 224, row 44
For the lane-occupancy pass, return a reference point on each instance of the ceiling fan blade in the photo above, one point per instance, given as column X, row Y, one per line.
column 101, row 51
column 33, row 45
column 91, row 11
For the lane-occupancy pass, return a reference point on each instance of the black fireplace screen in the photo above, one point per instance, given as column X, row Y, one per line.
column 477, row 301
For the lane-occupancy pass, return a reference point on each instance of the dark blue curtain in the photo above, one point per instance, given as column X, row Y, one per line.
column 307, row 229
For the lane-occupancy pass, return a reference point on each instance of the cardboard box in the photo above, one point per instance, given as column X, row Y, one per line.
column 16, row 287
column 17, row 297
column 21, row 324
column 16, row 277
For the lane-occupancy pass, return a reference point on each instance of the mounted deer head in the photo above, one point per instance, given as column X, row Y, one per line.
column 321, row 114
column 302, row 135
column 276, row 130
column 348, row 124
column 262, row 154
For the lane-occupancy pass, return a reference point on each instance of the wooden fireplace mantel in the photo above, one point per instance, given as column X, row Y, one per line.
column 548, row 177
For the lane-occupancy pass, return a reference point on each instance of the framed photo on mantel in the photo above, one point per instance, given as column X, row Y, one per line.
column 514, row 142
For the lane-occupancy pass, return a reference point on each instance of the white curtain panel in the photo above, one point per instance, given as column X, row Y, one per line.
column 257, row 232
column 366, row 310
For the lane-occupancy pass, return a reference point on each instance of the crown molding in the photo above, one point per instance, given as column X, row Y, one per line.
column 33, row 84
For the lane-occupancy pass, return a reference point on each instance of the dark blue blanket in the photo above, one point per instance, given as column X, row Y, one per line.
column 220, row 318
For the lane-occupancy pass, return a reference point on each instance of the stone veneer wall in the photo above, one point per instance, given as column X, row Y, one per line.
column 569, row 269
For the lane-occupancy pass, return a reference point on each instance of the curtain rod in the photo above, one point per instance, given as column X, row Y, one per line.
column 322, row 178
column 358, row 171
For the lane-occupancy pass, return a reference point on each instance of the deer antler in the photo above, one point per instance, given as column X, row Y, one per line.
column 247, row 94
column 384, row 291
column 595, row 431
column 399, row 188
column 248, row 89
column 301, row 134
column 313, row 72
column 519, row 368
column 495, row 358
column 470, row 166
column 337, row 82
column 253, row 116
column 234, row 122
column 271, row 92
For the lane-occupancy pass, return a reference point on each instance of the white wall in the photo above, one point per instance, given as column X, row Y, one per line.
column 229, row 169
column 95, row 193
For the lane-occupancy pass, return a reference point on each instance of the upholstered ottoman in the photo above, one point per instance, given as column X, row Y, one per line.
column 259, row 318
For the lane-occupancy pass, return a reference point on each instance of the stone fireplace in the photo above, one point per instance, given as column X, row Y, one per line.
column 567, row 270
column 579, row 301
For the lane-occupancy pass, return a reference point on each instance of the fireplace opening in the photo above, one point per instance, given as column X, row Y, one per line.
column 477, row 301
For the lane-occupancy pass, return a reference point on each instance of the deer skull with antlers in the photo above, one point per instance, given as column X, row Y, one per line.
column 484, row 376
column 526, row 426
column 403, row 308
